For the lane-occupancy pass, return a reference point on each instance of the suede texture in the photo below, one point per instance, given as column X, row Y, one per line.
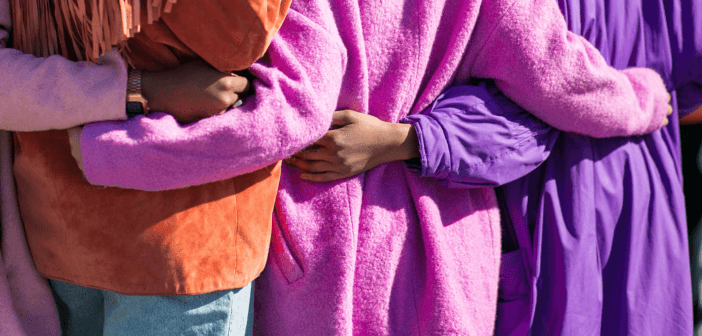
column 184, row 241
column 229, row 35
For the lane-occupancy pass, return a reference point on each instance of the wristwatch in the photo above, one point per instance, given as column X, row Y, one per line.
column 136, row 103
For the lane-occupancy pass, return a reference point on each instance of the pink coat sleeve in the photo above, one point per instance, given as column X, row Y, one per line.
column 296, row 92
column 558, row 76
column 54, row 93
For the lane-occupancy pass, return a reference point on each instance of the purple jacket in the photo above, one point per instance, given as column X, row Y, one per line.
column 600, row 223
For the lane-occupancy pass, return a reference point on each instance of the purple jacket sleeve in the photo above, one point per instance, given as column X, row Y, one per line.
column 473, row 136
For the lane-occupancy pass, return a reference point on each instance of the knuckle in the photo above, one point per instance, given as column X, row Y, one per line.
column 226, row 100
column 337, row 141
column 226, row 83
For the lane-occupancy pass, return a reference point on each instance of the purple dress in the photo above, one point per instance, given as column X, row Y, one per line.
column 598, row 229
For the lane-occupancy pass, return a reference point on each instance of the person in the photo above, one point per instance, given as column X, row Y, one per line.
column 96, row 291
column 627, row 273
column 579, row 226
column 26, row 304
column 385, row 252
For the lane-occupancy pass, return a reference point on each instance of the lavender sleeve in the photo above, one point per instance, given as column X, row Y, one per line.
column 38, row 93
column 473, row 136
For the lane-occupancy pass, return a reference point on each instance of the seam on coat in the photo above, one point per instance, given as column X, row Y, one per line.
column 286, row 249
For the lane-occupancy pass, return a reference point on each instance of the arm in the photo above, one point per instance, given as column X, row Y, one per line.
column 475, row 137
column 295, row 93
column 55, row 93
column 471, row 136
column 558, row 76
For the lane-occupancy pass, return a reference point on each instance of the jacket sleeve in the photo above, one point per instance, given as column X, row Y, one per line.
column 473, row 136
column 558, row 76
column 296, row 90
column 54, row 93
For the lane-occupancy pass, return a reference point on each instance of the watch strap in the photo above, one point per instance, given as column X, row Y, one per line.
column 136, row 103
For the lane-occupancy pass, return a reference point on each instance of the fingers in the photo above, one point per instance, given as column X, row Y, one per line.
column 314, row 153
column 238, row 84
column 321, row 177
column 314, row 171
column 669, row 96
column 669, row 111
column 665, row 122
column 309, row 166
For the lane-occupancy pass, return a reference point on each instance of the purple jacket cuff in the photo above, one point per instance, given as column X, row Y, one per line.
column 472, row 136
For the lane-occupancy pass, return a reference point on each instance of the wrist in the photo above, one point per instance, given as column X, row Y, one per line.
column 149, row 88
column 136, row 102
column 404, row 144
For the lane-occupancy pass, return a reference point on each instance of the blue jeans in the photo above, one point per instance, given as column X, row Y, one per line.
column 87, row 311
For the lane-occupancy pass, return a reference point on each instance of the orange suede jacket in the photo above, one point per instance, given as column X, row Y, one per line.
column 186, row 241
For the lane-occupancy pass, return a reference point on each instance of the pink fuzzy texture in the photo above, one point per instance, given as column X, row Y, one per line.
column 385, row 252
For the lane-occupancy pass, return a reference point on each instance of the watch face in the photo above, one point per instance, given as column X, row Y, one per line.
column 134, row 108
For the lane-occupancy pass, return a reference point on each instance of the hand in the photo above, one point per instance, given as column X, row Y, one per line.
column 74, row 141
column 359, row 143
column 669, row 112
column 192, row 91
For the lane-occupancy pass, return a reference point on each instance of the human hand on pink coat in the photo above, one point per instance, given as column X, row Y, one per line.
column 190, row 92
column 358, row 142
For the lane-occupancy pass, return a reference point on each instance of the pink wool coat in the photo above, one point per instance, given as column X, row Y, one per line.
column 384, row 252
